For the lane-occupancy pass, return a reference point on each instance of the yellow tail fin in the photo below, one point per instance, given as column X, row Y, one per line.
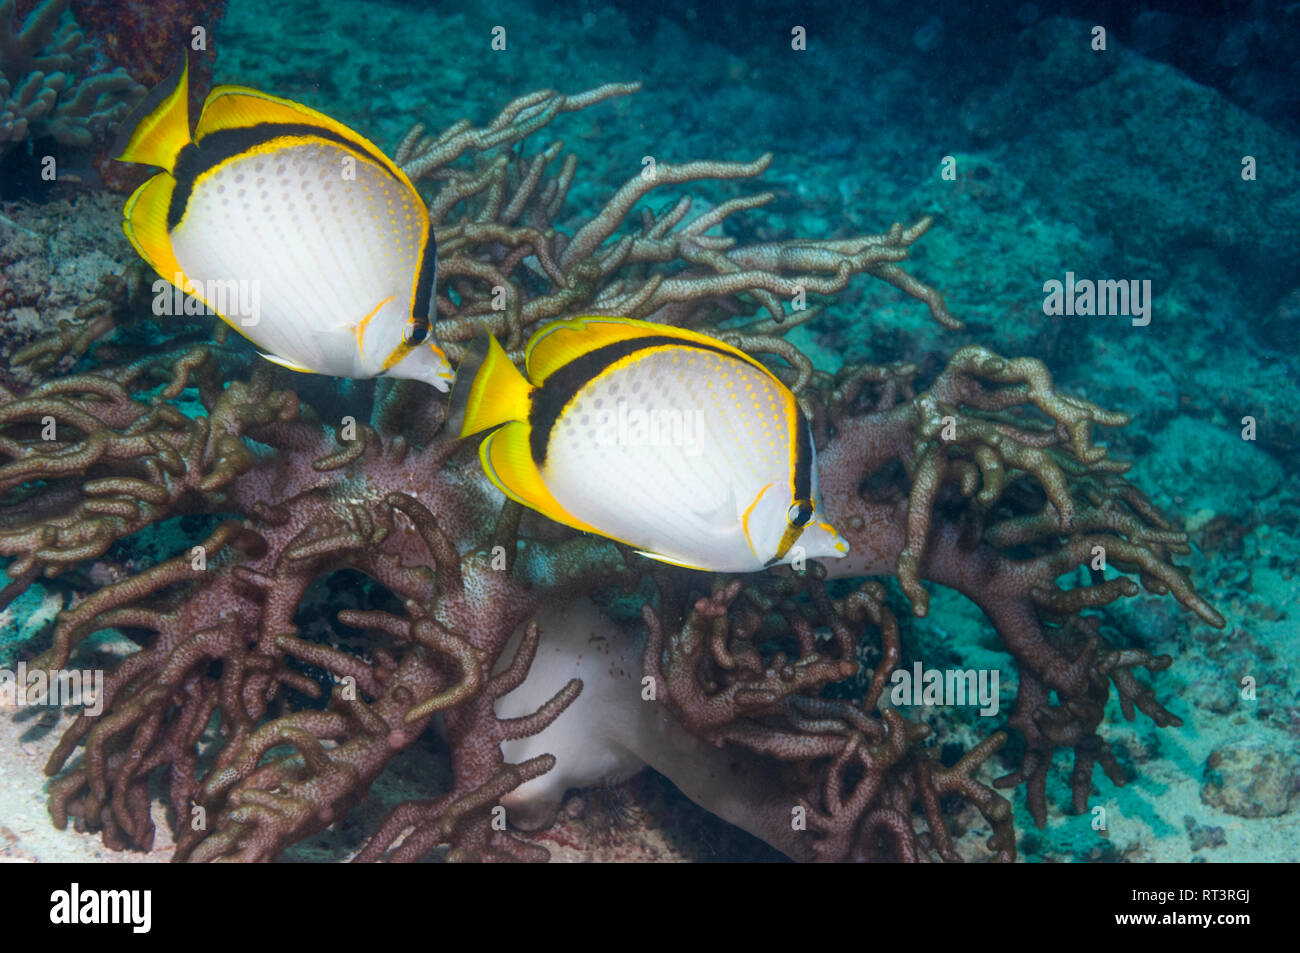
column 160, row 125
column 498, row 393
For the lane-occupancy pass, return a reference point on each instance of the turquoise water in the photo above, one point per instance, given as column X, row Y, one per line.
column 1160, row 152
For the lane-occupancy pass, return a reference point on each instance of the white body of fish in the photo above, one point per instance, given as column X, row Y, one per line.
column 330, row 258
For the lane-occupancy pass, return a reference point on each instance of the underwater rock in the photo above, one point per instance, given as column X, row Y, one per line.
column 1003, row 305
column 1249, row 777
column 1280, row 327
column 1203, row 837
column 25, row 619
column 1054, row 58
column 1211, row 466
column 1165, row 173
column 37, row 290
column 1214, row 693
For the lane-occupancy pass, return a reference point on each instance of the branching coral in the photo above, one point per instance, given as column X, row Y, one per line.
column 45, row 89
column 948, row 484
column 857, row 773
column 494, row 224
column 266, row 733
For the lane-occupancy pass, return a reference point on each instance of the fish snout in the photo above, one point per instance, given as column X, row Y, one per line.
column 823, row 541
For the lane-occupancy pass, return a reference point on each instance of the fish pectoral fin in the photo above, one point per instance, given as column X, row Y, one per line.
column 714, row 512
column 670, row 560
column 744, row 518
column 285, row 362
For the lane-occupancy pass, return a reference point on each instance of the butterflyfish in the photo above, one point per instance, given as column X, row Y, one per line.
column 296, row 230
column 685, row 448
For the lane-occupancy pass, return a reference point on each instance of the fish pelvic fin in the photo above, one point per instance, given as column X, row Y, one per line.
column 287, row 363
column 490, row 390
column 669, row 560
column 160, row 125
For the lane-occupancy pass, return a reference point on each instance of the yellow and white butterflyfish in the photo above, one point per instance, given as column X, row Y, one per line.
column 668, row 440
column 296, row 230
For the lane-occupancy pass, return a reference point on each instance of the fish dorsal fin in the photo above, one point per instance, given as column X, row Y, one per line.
column 508, row 463
column 561, row 342
column 159, row 127
column 144, row 220
column 238, row 107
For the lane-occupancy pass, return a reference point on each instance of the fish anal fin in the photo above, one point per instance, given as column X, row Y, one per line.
column 145, row 224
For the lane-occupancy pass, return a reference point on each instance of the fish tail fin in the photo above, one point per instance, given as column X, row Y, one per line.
column 489, row 389
column 159, row 128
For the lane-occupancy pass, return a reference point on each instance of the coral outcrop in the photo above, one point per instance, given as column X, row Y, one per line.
column 47, row 84
column 986, row 480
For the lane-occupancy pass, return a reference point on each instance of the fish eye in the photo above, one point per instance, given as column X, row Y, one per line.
column 800, row 513
column 416, row 333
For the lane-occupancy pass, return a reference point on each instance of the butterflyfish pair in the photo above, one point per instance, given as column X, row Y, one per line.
column 673, row 442
column 296, row 230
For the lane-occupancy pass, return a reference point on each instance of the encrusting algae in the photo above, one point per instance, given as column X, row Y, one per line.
column 985, row 480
